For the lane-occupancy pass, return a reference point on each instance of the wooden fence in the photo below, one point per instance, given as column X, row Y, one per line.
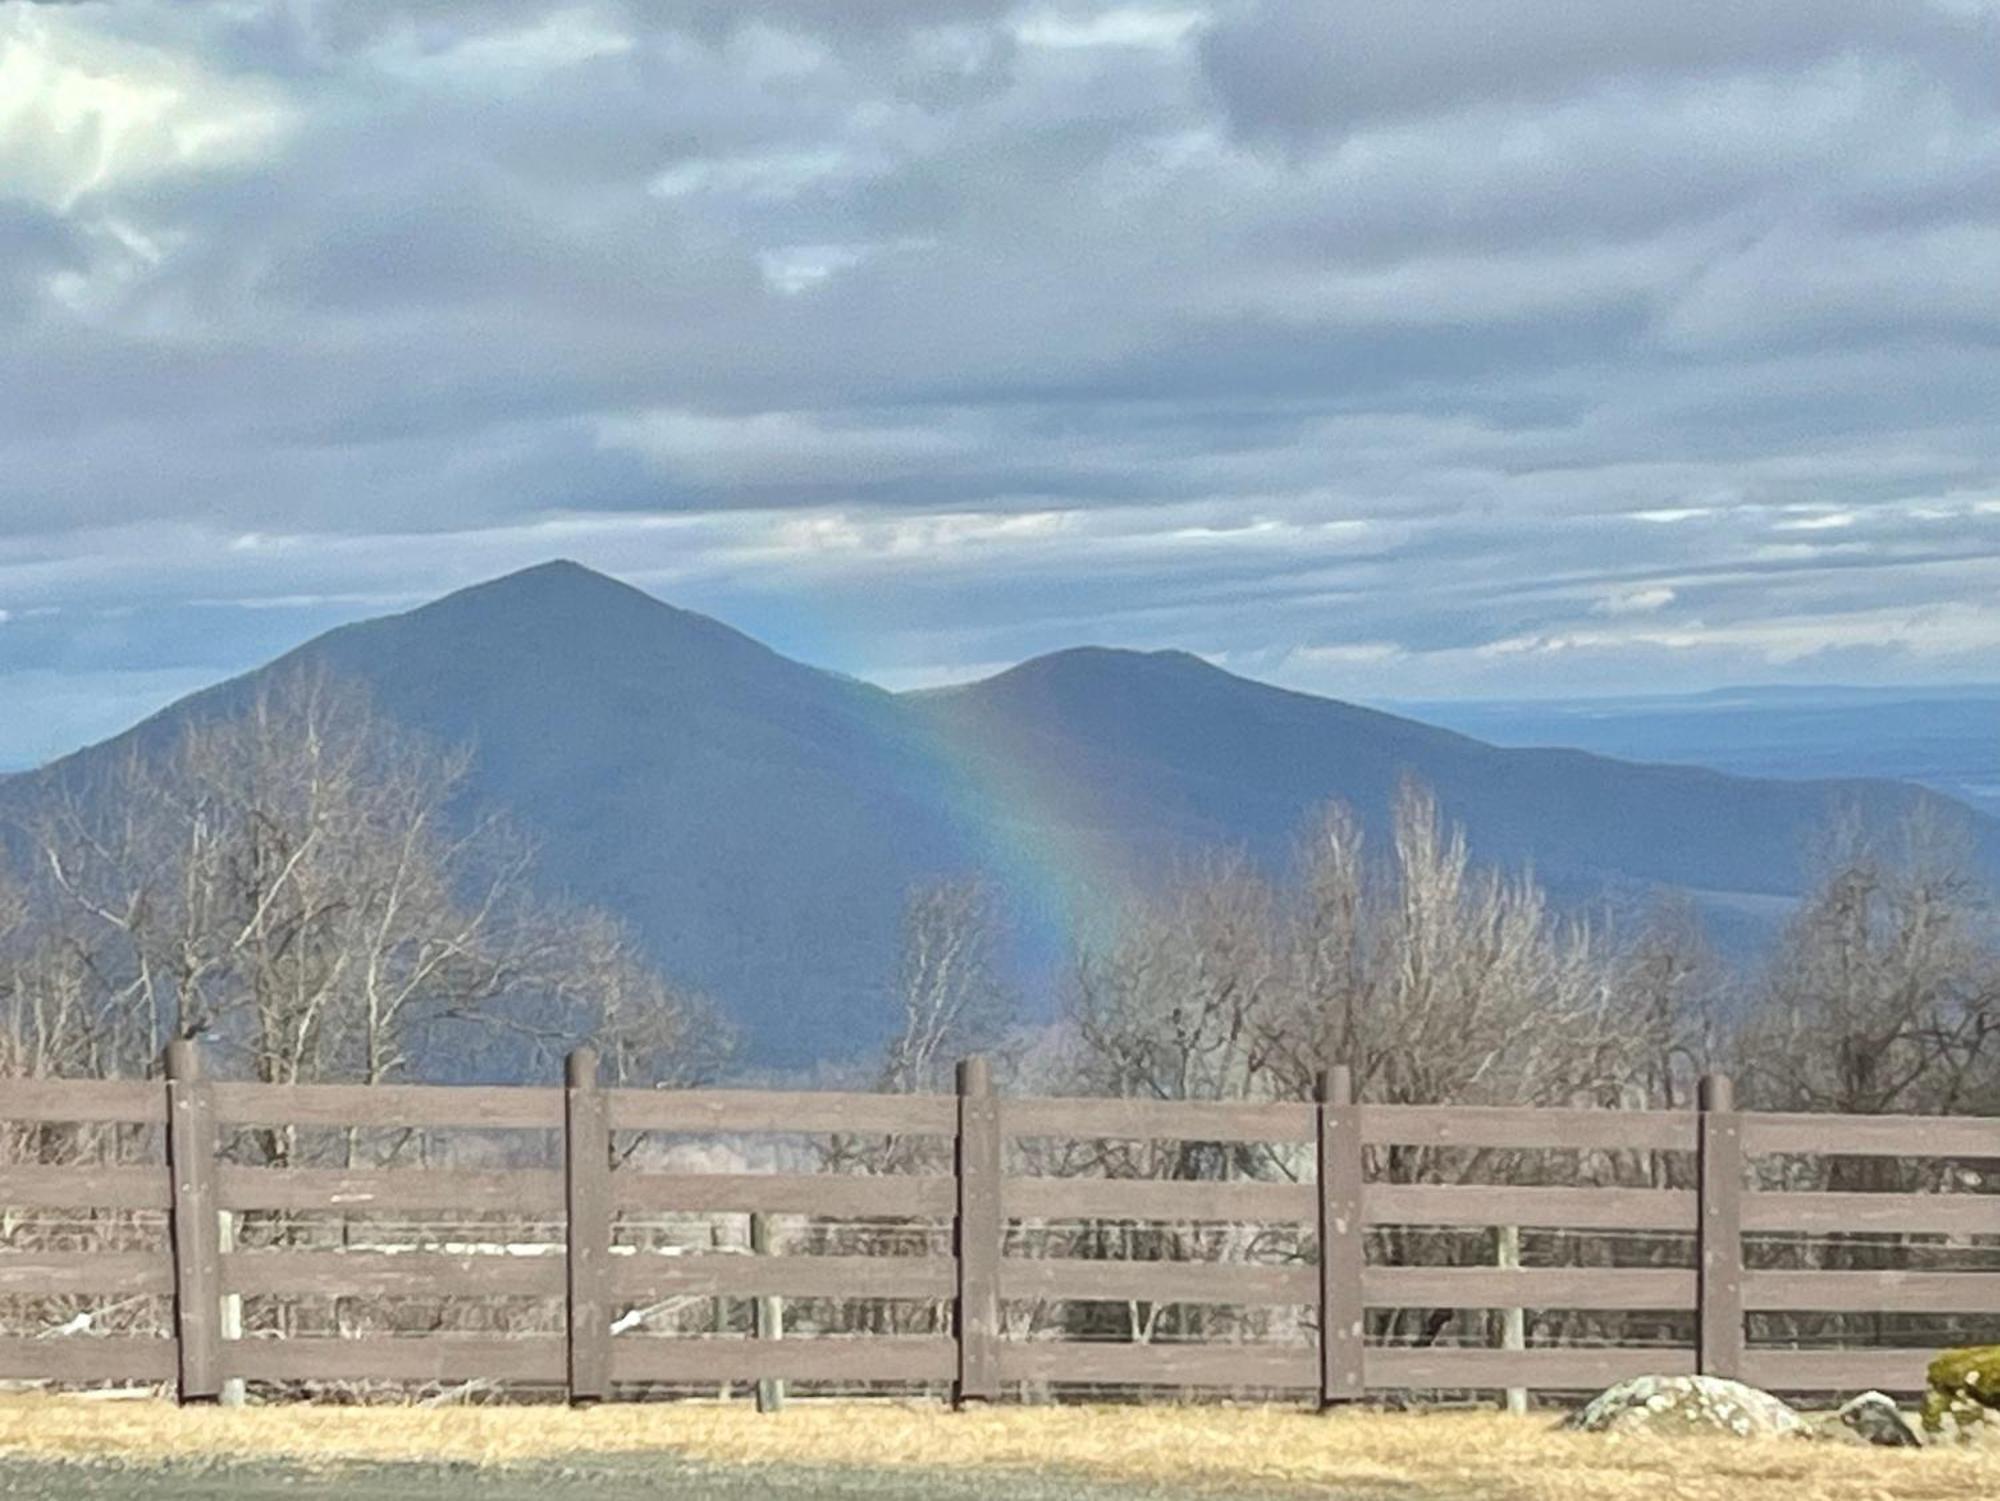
column 976, row 1134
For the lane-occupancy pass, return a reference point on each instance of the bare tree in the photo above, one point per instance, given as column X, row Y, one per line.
column 303, row 882
column 1884, row 994
column 950, row 995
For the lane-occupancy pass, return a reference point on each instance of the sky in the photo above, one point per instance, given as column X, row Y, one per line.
column 1451, row 348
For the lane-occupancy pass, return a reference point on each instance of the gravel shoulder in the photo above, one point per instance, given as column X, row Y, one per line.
column 626, row 1478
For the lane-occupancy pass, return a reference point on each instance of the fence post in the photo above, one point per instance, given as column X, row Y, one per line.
column 978, row 1238
column 196, row 1228
column 767, row 1316
column 1513, row 1321
column 1343, row 1246
column 233, row 1393
column 587, row 1227
column 1719, row 1350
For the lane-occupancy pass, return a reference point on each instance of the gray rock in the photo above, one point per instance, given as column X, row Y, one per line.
column 1878, row 1420
column 1680, row 1405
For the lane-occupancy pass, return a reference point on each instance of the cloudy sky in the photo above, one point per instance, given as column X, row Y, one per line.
column 1477, row 347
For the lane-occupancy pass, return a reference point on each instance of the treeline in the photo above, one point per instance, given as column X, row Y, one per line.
column 1439, row 981
column 300, row 884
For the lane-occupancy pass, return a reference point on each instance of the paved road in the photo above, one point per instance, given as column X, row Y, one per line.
column 655, row 1478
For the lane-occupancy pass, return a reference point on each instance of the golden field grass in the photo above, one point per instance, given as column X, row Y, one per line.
column 1454, row 1455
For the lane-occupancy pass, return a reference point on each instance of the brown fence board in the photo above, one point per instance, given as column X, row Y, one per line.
column 1873, row 1292
column 461, row 1105
column 1525, row 1127
column 83, row 1358
column 701, row 1361
column 535, row 1357
column 1341, row 1170
column 127, row 1101
column 1156, row 1120
column 1158, row 1199
column 1075, row 1280
column 827, row 1195
column 645, row 1277
column 390, row 1274
column 395, row 1189
column 1837, row 1370
column 1927, row 1136
column 804, row 1112
column 1277, row 1367
column 194, row 1226
column 1532, row 1287
column 46, row 1274
column 1568, row 1208
column 1876, row 1213
column 979, row 1234
column 85, row 1187
column 1458, row 1368
column 587, row 1219
column 975, row 1201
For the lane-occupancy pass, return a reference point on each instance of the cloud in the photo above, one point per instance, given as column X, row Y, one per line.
column 1644, row 600
column 81, row 113
column 1302, row 72
column 1387, row 349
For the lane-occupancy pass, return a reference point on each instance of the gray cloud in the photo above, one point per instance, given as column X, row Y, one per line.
column 1501, row 346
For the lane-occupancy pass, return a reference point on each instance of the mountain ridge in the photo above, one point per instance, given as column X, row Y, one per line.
column 758, row 821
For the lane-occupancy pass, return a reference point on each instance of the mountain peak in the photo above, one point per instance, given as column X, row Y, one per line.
column 1087, row 664
column 559, row 578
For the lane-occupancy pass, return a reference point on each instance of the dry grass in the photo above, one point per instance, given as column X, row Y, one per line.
column 1487, row 1456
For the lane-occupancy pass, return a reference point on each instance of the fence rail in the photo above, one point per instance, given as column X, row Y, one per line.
column 1331, row 1204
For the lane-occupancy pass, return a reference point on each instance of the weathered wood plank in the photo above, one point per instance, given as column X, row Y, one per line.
column 1598, row 1288
column 1568, row 1208
column 801, row 1112
column 512, row 1107
column 49, row 1274
column 78, row 1358
column 1069, row 1280
column 826, row 1195
column 1719, row 1256
column 536, row 1358
column 587, row 1222
column 644, row 1277
column 1157, row 1120
column 705, row 1361
column 1167, row 1200
column 1929, row 1136
column 1343, row 1245
column 1872, row 1292
column 1837, row 1370
column 1279, row 1367
column 979, row 1232
column 391, row 1274
column 130, row 1101
column 86, row 1187
column 1528, row 1127
column 196, row 1230
column 1455, row 1368
column 1876, row 1213
column 378, row 1190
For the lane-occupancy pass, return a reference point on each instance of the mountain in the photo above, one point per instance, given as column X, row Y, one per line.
column 759, row 821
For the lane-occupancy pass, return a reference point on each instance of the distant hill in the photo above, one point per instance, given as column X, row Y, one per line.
column 1944, row 738
column 759, row 821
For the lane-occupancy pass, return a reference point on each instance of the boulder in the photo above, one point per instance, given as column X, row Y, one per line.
column 1964, row 1393
column 1876, row 1419
column 1678, row 1405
